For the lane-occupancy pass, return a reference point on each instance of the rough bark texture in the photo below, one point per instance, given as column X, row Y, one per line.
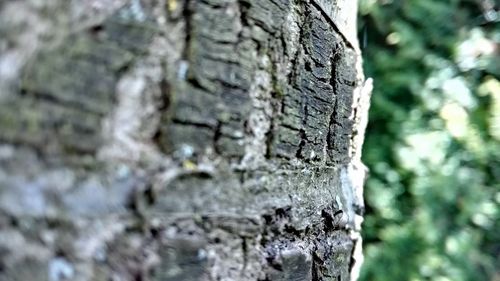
column 179, row 140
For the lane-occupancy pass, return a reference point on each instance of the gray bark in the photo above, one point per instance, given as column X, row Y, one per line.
column 180, row 140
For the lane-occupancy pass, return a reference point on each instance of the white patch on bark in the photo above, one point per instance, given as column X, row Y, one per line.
column 361, row 105
column 135, row 119
column 60, row 269
column 351, row 182
column 259, row 120
column 123, row 128
column 292, row 44
column 357, row 255
column 352, row 179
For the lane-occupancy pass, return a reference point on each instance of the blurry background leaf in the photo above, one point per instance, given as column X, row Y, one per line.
column 433, row 142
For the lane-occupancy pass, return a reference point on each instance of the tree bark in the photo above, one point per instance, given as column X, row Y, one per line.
column 180, row 140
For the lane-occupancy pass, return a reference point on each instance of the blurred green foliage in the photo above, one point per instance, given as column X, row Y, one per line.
column 433, row 141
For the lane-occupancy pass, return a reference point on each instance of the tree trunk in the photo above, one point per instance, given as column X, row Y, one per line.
column 180, row 140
